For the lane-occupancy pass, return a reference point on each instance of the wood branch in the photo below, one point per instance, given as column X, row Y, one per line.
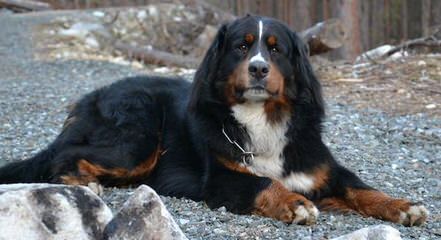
column 25, row 5
column 431, row 43
column 157, row 57
column 324, row 36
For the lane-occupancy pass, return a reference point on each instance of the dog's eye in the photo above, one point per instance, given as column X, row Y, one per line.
column 243, row 48
column 274, row 50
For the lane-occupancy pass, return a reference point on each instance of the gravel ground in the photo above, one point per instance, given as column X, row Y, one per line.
column 400, row 155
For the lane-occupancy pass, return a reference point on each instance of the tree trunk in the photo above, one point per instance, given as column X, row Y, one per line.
column 300, row 14
column 404, row 20
column 414, row 18
column 325, row 13
column 349, row 12
column 425, row 17
column 364, row 25
column 377, row 23
column 435, row 18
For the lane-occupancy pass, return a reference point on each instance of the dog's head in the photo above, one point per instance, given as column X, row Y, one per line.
column 256, row 59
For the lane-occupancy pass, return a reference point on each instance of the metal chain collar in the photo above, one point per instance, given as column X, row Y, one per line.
column 246, row 156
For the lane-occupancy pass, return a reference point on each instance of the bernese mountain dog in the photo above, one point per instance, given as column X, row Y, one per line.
column 245, row 134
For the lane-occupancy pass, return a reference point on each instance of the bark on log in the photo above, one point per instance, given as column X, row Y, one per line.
column 324, row 36
column 25, row 5
column 157, row 57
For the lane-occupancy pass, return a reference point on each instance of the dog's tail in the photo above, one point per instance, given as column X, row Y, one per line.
column 33, row 170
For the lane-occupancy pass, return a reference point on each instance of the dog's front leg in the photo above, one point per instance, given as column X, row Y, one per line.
column 277, row 202
column 244, row 193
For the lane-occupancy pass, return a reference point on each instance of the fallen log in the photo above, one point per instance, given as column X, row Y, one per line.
column 324, row 36
column 25, row 5
column 432, row 44
column 157, row 57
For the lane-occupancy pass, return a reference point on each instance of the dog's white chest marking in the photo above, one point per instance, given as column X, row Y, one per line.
column 299, row 182
column 267, row 142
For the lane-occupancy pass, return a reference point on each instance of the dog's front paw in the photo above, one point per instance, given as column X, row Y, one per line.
column 415, row 215
column 279, row 203
column 304, row 212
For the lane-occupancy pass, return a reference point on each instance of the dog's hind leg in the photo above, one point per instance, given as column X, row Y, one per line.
column 353, row 195
column 83, row 169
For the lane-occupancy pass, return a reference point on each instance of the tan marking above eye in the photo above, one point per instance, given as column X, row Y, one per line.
column 272, row 40
column 249, row 38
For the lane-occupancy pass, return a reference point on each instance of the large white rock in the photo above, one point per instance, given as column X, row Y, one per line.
column 143, row 216
column 376, row 232
column 48, row 211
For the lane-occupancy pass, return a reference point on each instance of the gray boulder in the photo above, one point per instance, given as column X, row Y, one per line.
column 143, row 216
column 48, row 211
column 376, row 232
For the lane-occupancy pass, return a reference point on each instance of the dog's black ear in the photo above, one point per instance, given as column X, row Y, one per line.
column 207, row 70
column 309, row 88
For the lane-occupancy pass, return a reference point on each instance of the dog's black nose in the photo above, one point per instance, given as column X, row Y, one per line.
column 258, row 69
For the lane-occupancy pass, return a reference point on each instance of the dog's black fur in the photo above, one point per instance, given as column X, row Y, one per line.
column 174, row 128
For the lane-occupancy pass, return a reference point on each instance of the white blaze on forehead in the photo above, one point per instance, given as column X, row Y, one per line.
column 260, row 30
column 258, row 57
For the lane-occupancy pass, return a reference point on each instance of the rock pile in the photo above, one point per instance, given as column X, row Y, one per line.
column 48, row 211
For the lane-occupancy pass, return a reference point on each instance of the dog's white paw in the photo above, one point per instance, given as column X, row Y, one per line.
column 414, row 216
column 306, row 214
